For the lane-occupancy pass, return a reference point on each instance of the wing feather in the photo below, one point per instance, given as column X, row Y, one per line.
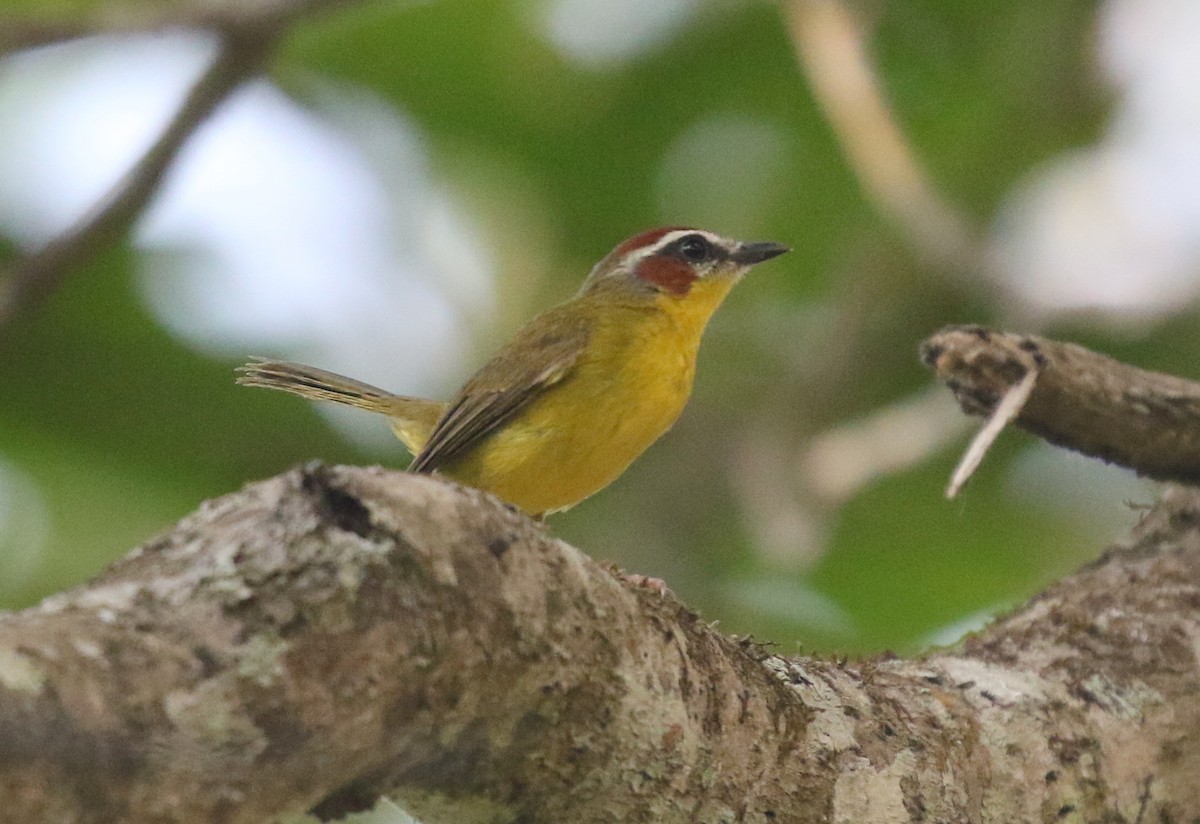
column 541, row 355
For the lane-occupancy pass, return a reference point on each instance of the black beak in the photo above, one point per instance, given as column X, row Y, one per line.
column 750, row 253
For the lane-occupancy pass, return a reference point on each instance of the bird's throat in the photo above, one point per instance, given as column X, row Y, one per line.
column 690, row 313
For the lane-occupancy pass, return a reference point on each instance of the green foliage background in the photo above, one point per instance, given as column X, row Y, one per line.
column 124, row 429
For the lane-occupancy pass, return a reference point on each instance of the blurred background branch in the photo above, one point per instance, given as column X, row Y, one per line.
column 246, row 33
column 831, row 43
column 35, row 276
column 32, row 25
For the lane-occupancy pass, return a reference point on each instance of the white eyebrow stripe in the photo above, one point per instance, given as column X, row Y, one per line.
column 670, row 237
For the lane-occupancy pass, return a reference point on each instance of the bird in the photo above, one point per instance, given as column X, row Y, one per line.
column 563, row 408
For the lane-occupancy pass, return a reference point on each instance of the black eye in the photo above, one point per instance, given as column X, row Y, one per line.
column 695, row 249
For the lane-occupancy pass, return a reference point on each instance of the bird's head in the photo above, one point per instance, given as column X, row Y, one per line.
column 672, row 262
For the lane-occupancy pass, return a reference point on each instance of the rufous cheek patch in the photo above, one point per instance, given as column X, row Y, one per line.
column 667, row 273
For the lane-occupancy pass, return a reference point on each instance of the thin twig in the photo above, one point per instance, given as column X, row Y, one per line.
column 1081, row 400
column 1006, row 412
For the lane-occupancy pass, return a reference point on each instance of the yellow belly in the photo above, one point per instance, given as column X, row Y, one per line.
column 624, row 393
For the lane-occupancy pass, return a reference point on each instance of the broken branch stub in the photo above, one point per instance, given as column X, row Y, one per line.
column 1082, row 400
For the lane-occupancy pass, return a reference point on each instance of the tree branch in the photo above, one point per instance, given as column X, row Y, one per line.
column 1146, row 421
column 32, row 26
column 331, row 635
column 37, row 275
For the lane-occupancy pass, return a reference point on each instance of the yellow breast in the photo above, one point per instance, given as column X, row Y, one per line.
column 626, row 390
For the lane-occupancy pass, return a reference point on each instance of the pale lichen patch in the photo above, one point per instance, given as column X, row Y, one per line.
column 1002, row 685
column 88, row 649
column 1127, row 702
column 863, row 793
column 206, row 720
column 434, row 806
column 110, row 598
column 837, row 708
column 261, row 659
column 19, row 673
column 234, row 587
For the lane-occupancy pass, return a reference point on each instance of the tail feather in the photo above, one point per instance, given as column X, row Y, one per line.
column 315, row 384
column 412, row 419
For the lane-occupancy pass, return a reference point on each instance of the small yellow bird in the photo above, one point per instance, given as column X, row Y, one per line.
column 582, row 390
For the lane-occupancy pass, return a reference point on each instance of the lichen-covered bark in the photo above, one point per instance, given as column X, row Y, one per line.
column 333, row 634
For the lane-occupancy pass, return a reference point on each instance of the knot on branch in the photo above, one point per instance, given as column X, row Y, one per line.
column 979, row 367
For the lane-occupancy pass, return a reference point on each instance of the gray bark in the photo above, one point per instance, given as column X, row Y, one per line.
column 334, row 634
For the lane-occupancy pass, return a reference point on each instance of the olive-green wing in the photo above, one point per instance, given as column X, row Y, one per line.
column 541, row 355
